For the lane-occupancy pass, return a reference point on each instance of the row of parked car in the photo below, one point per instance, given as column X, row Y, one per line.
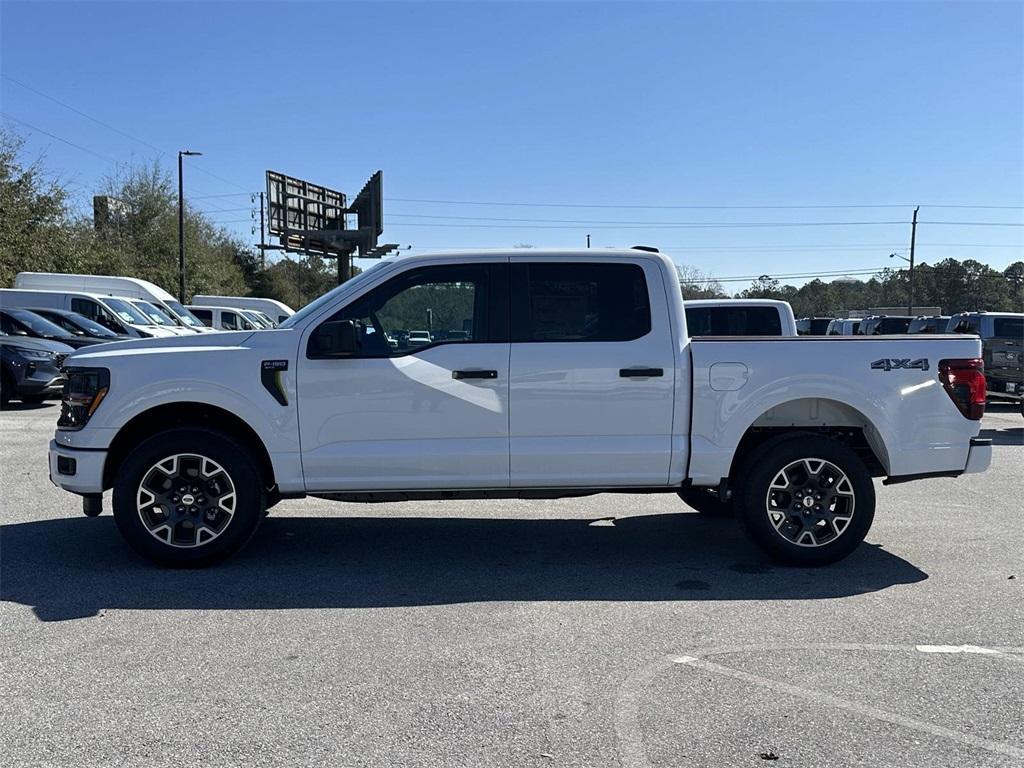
column 46, row 316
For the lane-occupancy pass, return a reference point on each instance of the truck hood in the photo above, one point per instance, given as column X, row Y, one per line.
column 194, row 342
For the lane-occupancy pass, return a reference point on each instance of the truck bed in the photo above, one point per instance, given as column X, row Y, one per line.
column 887, row 386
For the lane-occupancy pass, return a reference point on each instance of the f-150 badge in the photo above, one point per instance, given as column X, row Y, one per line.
column 270, row 376
column 894, row 363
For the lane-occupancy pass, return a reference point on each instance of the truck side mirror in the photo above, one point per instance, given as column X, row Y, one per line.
column 336, row 338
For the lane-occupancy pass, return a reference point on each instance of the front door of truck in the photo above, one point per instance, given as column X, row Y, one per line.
column 423, row 403
column 592, row 373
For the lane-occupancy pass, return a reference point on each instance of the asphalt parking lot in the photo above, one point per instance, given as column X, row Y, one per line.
column 613, row 630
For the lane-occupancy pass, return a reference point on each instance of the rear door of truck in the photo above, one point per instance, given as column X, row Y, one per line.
column 592, row 373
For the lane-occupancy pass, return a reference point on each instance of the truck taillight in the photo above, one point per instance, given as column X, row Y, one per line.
column 964, row 382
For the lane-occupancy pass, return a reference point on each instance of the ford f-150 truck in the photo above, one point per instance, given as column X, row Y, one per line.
column 548, row 374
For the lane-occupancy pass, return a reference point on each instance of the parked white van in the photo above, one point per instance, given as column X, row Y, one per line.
column 225, row 318
column 111, row 285
column 115, row 313
column 275, row 310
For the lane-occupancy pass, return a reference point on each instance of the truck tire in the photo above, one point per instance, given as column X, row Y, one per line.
column 805, row 499
column 706, row 501
column 188, row 497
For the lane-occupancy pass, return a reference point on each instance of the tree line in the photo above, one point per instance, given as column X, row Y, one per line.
column 42, row 231
column 953, row 285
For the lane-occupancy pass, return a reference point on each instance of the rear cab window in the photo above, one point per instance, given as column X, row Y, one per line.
column 733, row 321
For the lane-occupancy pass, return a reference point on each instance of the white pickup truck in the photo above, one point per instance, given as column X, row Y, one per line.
column 547, row 374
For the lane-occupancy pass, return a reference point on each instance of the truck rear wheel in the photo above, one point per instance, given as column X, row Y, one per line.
column 806, row 500
column 188, row 497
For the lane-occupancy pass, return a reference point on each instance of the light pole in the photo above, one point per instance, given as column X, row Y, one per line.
column 181, row 225
column 910, row 303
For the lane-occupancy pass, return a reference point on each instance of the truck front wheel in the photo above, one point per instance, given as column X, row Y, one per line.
column 806, row 500
column 188, row 497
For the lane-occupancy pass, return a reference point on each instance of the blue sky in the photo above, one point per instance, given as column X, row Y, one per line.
column 604, row 104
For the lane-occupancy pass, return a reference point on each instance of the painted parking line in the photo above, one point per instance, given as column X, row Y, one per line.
column 631, row 747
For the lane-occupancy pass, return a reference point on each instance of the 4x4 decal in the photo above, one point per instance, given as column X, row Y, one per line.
column 895, row 363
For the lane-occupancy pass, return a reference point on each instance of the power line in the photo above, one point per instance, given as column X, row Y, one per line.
column 977, row 223
column 781, row 246
column 28, row 125
column 686, row 223
column 80, row 112
column 691, row 207
column 670, row 225
column 225, row 194
column 115, row 129
column 630, row 221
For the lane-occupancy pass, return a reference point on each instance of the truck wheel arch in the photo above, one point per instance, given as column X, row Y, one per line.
column 816, row 416
column 162, row 417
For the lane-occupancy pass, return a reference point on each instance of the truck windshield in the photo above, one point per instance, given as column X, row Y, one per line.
column 155, row 315
column 126, row 312
column 186, row 317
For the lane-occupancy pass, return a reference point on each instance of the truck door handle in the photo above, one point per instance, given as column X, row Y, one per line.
column 637, row 373
column 475, row 374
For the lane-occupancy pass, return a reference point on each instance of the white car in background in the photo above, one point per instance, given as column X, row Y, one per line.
column 160, row 318
column 277, row 311
column 111, row 285
column 225, row 319
column 844, row 327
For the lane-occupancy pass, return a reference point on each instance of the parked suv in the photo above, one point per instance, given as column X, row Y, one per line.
column 22, row 322
column 929, row 324
column 884, row 325
column 1002, row 345
column 79, row 325
column 813, row 326
column 30, row 369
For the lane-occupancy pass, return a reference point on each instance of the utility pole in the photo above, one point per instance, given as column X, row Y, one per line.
column 263, row 235
column 181, row 226
column 913, row 239
column 588, row 241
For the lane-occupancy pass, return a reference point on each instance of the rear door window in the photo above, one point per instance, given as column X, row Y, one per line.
column 560, row 302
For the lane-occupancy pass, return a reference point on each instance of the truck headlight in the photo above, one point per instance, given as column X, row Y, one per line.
column 84, row 390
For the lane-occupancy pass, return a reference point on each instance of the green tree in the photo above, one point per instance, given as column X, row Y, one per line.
column 36, row 232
